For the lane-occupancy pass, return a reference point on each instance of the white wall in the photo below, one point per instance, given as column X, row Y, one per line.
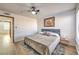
column 23, row 25
column 64, row 21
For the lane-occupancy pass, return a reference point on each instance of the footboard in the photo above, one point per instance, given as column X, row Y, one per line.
column 40, row 48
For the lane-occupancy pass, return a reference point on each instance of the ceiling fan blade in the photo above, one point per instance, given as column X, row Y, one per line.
column 33, row 8
column 38, row 10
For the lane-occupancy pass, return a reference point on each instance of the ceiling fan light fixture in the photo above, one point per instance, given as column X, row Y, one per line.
column 33, row 12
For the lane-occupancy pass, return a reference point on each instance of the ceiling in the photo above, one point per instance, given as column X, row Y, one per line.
column 45, row 8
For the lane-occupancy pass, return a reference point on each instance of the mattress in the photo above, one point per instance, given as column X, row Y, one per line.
column 41, row 43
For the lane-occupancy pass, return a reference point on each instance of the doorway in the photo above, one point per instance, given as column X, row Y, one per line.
column 7, row 28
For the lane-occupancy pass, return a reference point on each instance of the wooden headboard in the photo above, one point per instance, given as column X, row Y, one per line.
column 52, row 30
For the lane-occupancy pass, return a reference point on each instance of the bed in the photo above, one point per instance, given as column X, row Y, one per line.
column 43, row 44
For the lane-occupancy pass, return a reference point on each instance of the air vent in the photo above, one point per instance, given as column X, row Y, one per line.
column 7, row 13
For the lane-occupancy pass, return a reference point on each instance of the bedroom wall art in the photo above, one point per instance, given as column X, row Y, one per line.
column 49, row 22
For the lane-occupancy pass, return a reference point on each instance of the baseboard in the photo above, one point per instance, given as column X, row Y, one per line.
column 18, row 39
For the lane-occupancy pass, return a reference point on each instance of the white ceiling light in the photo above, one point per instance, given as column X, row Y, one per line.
column 33, row 12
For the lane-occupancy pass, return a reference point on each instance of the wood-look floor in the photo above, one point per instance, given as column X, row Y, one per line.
column 8, row 48
column 69, row 50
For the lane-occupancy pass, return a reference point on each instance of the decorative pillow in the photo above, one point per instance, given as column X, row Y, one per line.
column 52, row 34
column 47, row 33
column 43, row 33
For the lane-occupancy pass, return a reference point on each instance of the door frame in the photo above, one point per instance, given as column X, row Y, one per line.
column 10, row 26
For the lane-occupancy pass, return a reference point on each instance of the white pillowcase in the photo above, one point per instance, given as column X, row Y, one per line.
column 52, row 33
column 41, row 32
column 44, row 33
column 47, row 33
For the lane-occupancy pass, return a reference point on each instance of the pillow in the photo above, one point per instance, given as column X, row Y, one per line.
column 52, row 34
column 43, row 33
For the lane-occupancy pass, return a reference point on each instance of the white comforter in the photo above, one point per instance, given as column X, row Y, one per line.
column 49, row 41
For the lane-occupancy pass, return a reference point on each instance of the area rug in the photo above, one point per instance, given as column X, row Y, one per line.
column 59, row 50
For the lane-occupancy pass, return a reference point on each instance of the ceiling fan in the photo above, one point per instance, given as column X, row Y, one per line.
column 33, row 10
